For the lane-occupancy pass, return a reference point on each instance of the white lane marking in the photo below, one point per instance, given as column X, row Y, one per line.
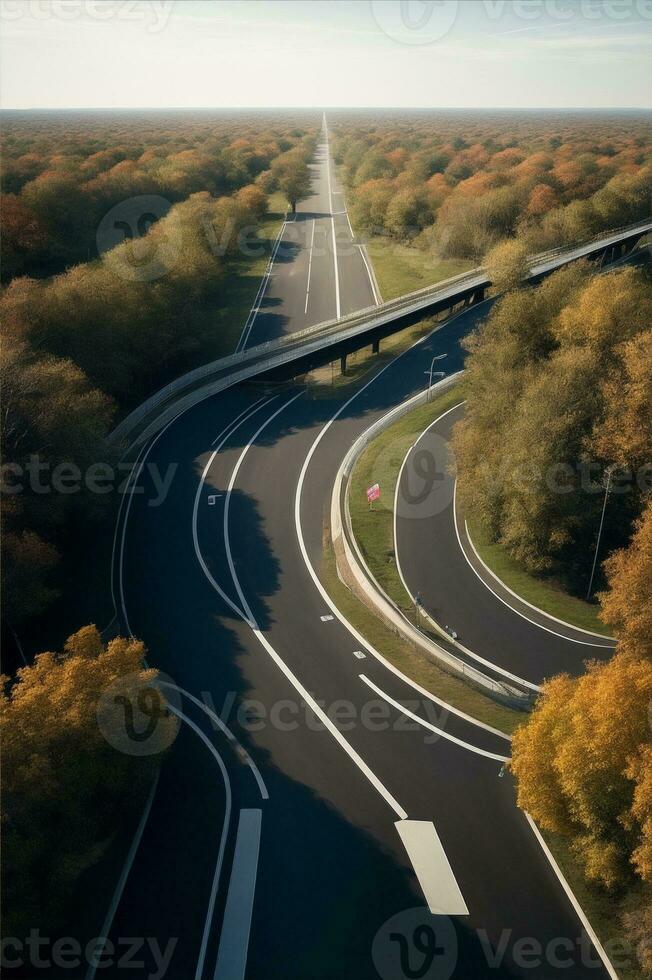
column 224, row 435
column 433, row 728
column 225, row 827
column 242, row 752
column 312, row 242
column 432, row 867
column 562, row 636
column 359, row 654
column 313, row 574
column 130, row 496
column 475, row 656
column 236, row 925
column 330, row 208
column 572, row 899
column 246, row 330
column 250, row 620
column 609, row 642
column 122, row 880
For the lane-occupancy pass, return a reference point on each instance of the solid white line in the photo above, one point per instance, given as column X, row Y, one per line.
column 433, row 728
column 432, row 867
column 236, row 925
column 562, row 636
column 338, row 312
column 126, row 519
column 225, row 826
column 573, row 900
column 122, row 880
column 313, row 574
column 226, row 731
column 246, row 331
column 224, row 435
column 312, row 242
column 250, row 619
column 609, row 641
column 475, row 656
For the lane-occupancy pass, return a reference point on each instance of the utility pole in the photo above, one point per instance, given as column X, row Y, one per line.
column 608, row 472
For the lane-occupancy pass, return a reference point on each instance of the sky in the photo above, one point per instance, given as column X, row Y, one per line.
column 235, row 53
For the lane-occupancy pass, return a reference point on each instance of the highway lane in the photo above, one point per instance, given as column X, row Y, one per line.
column 223, row 598
column 318, row 273
column 433, row 563
column 328, row 832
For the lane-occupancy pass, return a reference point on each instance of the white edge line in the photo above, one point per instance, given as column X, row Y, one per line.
column 330, row 205
column 433, row 728
column 562, row 636
column 225, row 826
column 122, row 880
column 470, row 653
column 250, row 620
column 224, row 728
column 313, row 574
column 223, row 436
column 246, row 330
column 609, row 641
column 571, row 897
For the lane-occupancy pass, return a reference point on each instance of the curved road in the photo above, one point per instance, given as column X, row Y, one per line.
column 348, row 824
column 436, row 560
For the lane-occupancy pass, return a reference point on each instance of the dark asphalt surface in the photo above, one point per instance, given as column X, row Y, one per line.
column 335, row 891
column 433, row 564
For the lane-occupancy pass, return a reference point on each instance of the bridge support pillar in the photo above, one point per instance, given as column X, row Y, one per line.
column 375, row 346
column 343, row 364
column 478, row 296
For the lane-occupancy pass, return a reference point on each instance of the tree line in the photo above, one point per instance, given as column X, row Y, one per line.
column 84, row 346
column 457, row 184
column 559, row 398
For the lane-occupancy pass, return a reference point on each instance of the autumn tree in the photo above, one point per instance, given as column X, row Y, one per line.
column 507, row 265
column 68, row 776
column 292, row 175
column 582, row 767
column 627, row 602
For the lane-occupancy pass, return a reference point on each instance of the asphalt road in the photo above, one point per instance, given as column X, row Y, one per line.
column 437, row 561
column 318, row 273
column 301, row 821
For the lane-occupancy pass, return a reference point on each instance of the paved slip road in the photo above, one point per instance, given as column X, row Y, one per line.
column 437, row 563
column 222, row 581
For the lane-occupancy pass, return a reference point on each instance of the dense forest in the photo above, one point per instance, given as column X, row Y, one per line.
column 150, row 222
column 456, row 183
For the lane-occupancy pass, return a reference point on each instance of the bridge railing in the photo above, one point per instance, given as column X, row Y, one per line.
column 343, row 327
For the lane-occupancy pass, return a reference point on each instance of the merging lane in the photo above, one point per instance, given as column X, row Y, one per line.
column 384, row 812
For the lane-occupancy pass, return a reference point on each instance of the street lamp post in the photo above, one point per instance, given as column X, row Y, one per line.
column 438, row 374
column 608, row 472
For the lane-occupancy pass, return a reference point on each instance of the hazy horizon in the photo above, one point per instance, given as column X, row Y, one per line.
column 372, row 54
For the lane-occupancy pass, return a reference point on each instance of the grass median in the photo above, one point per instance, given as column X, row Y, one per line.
column 546, row 595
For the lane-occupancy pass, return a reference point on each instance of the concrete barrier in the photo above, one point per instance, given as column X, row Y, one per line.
column 356, row 575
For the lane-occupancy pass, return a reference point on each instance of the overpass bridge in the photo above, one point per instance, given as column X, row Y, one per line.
column 306, row 349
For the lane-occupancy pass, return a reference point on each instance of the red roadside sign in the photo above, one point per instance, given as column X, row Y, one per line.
column 373, row 493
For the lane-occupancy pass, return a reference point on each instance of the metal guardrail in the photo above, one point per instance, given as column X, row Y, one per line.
column 506, row 692
column 347, row 327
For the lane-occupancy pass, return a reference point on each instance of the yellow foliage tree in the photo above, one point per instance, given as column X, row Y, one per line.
column 68, row 779
column 627, row 605
column 582, row 764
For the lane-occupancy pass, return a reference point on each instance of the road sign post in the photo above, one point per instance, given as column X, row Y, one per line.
column 373, row 493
